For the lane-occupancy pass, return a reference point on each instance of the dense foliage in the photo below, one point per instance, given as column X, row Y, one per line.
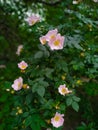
column 76, row 65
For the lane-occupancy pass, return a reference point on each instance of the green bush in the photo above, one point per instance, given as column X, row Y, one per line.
column 75, row 65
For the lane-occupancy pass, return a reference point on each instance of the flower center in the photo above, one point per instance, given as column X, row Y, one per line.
column 64, row 90
column 57, row 118
column 19, row 85
column 52, row 36
column 23, row 66
column 44, row 41
column 33, row 22
column 56, row 42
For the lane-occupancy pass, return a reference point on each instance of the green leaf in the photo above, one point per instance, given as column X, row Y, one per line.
column 29, row 98
column 43, row 83
column 7, row 85
column 75, row 98
column 38, row 55
column 28, row 121
column 62, row 107
column 69, row 101
column 2, row 127
column 60, row 128
column 43, row 123
column 74, row 41
column 30, row 82
column 41, row 47
column 34, row 87
column 41, row 91
column 25, row 114
column 48, row 104
column 35, row 126
column 46, row 53
column 4, row 98
column 75, row 106
column 32, row 111
column 75, row 67
column 37, row 122
column 48, row 72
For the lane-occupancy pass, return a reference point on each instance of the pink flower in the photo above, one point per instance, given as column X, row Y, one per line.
column 51, row 34
column 56, row 43
column 22, row 65
column 19, row 49
column 18, row 83
column 57, row 120
column 33, row 19
column 54, row 40
column 63, row 90
column 43, row 40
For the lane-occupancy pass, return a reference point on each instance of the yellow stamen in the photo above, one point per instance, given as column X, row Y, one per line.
column 64, row 90
column 23, row 66
column 19, row 85
column 33, row 22
column 43, row 41
column 57, row 42
column 52, row 36
column 56, row 118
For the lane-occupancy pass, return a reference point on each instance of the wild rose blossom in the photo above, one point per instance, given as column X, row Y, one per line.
column 22, row 65
column 33, row 19
column 19, row 49
column 18, row 83
column 51, row 34
column 54, row 39
column 57, row 120
column 43, row 40
column 56, row 43
column 63, row 90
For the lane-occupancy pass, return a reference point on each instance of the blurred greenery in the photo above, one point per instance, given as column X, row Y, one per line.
column 76, row 65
